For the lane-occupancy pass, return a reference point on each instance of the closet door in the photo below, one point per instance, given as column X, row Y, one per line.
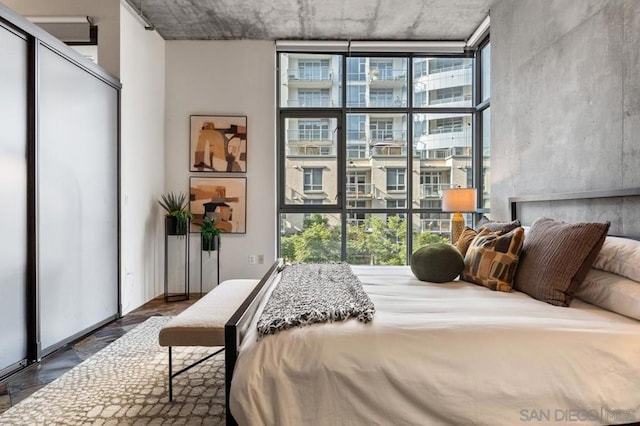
column 77, row 199
column 13, row 199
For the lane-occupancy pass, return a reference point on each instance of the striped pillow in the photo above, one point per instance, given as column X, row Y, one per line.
column 557, row 257
column 491, row 259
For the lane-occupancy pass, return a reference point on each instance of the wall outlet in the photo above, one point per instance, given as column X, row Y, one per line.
column 261, row 258
column 252, row 259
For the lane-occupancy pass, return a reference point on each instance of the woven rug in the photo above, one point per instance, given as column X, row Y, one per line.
column 126, row 384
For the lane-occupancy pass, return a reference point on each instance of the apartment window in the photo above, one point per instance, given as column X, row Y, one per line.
column 314, row 130
column 448, row 94
column 313, row 180
column 356, row 125
column 381, row 98
column 356, row 96
column 381, row 129
column 431, row 204
column 382, row 70
column 396, row 179
column 312, row 202
column 446, row 125
column 376, row 202
column 357, row 183
column 396, row 204
column 445, row 64
column 314, row 98
column 432, row 183
column 420, row 68
column 313, row 70
column 356, row 69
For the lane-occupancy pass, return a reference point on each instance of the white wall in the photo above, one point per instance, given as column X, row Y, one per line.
column 142, row 57
column 105, row 14
column 232, row 78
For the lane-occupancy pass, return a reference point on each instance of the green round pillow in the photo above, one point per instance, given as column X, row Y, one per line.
column 437, row 263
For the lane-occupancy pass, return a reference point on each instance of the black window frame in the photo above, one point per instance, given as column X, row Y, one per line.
column 341, row 112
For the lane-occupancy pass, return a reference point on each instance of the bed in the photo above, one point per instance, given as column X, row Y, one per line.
column 452, row 353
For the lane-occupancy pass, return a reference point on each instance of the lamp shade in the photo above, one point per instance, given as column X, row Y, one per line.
column 459, row 200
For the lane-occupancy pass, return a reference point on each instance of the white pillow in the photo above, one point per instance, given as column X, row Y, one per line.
column 611, row 292
column 620, row 256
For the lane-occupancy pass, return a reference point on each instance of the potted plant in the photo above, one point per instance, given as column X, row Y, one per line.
column 210, row 235
column 177, row 217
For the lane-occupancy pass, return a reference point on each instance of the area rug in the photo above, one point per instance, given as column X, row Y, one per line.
column 126, row 384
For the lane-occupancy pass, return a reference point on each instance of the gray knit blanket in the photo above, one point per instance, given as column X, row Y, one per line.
column 311, row 293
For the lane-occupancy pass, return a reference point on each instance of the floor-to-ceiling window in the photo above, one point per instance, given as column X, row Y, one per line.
column 381, row 141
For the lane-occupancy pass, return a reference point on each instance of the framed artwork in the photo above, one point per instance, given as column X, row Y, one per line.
column 218, row 143
column 224, row 199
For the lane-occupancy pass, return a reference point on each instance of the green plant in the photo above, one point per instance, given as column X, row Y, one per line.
column 209, row 231
column 176, row 206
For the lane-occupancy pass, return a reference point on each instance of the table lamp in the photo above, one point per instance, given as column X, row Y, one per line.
column 457, row 200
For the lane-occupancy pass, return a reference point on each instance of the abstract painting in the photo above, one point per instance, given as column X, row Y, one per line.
column 224, row 199
column 218, row 143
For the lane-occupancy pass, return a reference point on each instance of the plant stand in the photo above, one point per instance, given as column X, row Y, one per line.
column 216, row 248
column 172, row 296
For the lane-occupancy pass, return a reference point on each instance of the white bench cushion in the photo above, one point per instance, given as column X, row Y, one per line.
column 202, row 324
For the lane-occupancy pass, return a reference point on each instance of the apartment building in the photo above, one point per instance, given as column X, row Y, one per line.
column 383, row 121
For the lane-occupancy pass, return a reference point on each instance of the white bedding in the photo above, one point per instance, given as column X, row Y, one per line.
column 453, row 353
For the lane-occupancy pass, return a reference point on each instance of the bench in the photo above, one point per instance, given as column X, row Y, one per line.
column 202, row 324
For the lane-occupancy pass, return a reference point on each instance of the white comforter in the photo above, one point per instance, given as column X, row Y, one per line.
column 452, row 353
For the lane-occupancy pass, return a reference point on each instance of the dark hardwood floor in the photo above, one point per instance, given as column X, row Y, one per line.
column 22, row 384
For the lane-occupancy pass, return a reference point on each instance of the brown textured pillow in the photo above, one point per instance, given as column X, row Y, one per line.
column 465, row 239
column 556, row 258
column 497, row 227
column 492, row 259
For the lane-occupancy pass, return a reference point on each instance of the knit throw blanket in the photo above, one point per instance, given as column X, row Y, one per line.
column 314, row 293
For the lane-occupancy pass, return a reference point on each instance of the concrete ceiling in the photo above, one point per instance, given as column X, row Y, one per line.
column 314, row 19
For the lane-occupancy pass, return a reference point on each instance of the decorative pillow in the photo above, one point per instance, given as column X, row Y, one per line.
column 556, row 257
column 491, row 259
column 497, row 227
column 437, row 263
column 612, row 292
column 620, row 256
column 465, row 239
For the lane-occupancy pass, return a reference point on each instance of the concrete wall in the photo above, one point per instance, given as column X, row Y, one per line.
column 565, row 104
column 142, row 57
column 226, row 78
column 105, row 14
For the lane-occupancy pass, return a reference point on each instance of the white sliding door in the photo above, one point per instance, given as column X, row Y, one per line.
column 77, row 199
column 13, row 198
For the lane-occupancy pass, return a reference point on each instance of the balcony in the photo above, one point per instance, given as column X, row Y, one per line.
column 442, row 153
column 360, row 191
column 311, row 151
column 440, row 139
column 309, row 135
column 437, row 226
column 310, row 103
column 388, row 103
column 310, row 77
column 387, row 77
column 433, row 190
column 386, row 135
column 388, row 150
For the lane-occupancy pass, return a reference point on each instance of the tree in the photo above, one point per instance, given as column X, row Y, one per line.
column 426, row 238
column 318, row 242
column 376, row 242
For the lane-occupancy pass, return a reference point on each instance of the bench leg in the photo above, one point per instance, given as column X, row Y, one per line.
column 170, row 377
column 172, row 374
